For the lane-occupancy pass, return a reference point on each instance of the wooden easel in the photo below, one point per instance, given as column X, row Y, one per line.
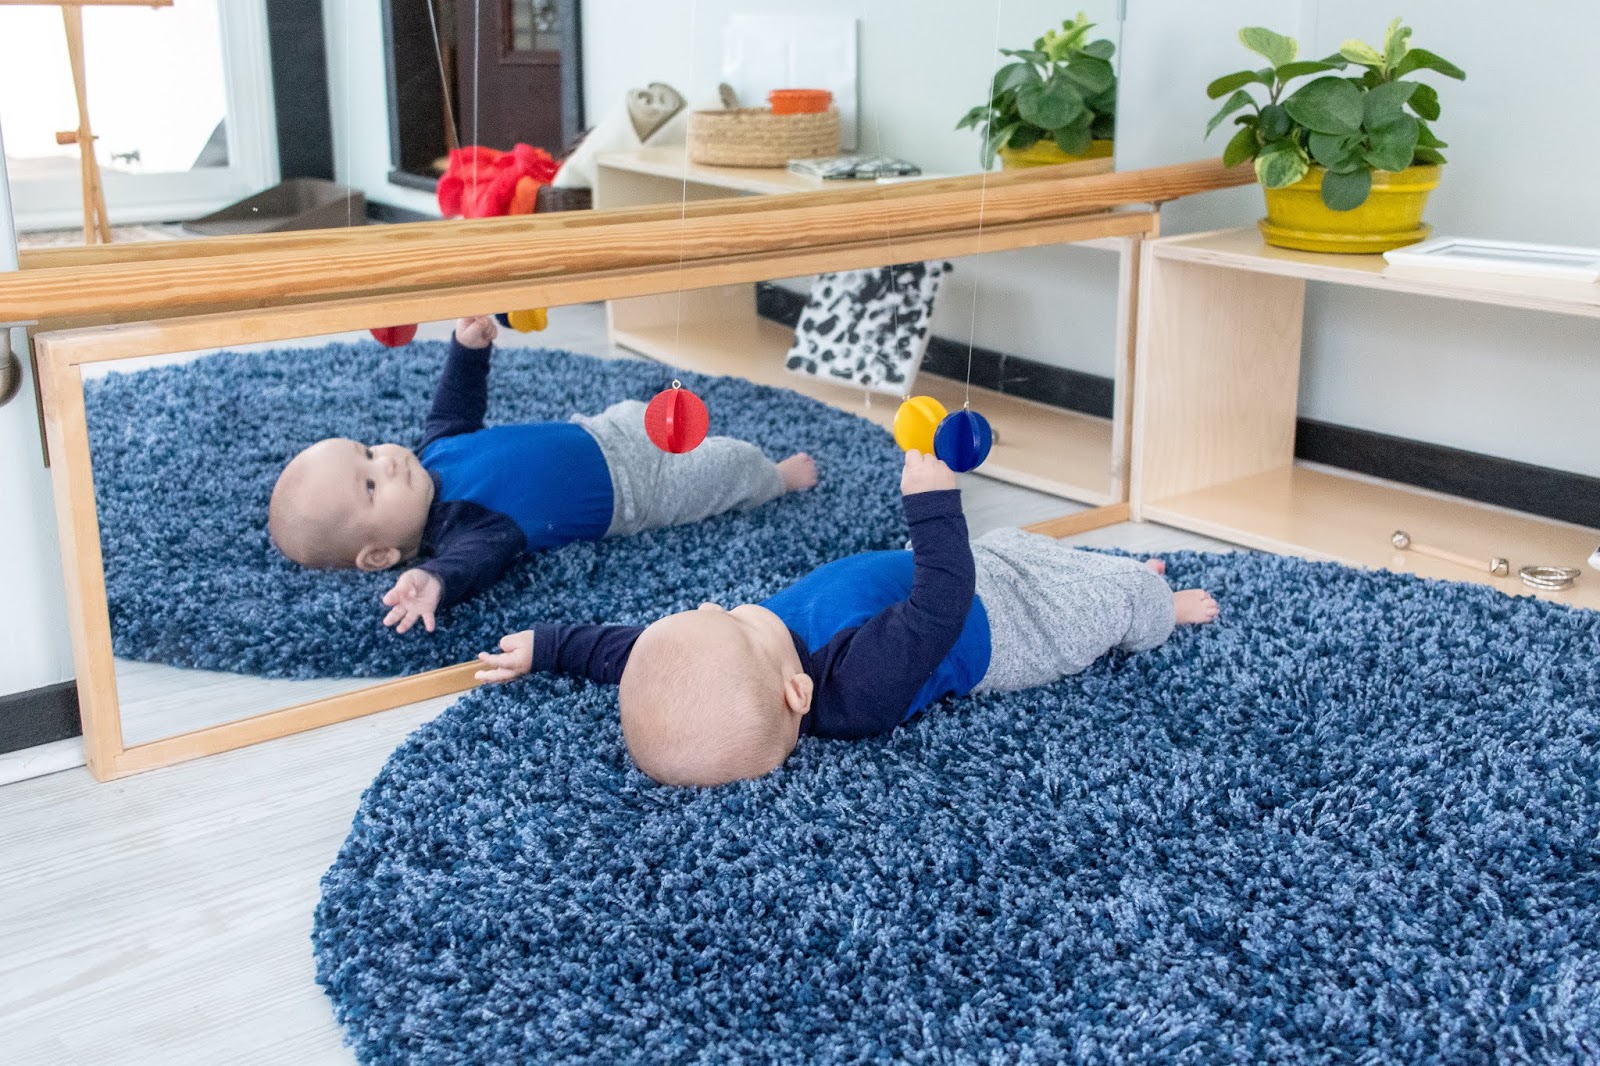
column 96, row 225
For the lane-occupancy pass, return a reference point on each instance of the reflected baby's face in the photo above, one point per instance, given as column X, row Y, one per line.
column 364, row 496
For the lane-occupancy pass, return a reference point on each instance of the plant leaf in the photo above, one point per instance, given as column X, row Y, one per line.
column 973, row 117
column 1074, row 138
column 1361, row 52
column 1015, row 76
column 1425, row 101
column 1396, row 41
column 1030, row 54
column 1334, row 151
column 1281, row 163
column 1229, row 82
column 1327, row 105
column 1422, row 59
column 1025, row 137
column 1427, row 155
column 1234, row 103
column 1275, row 123
column 1275, row 48
column 994, row 142
column 1345, row 192
column 1302, row 67
column 1240, row 148
column 1050, row 105
column 1393, row 144
column 1426, row 138
column 1101, row 49
column 1383, row 104
column 1091, row 74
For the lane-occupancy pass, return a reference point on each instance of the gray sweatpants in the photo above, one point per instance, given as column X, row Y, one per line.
column 1053, row 610
column 651, row 488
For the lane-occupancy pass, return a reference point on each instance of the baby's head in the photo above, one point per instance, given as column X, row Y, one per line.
column 342, row 504
column 712, row 696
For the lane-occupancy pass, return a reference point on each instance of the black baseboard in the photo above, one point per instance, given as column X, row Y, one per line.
column 378, row 211
column 39, row 716
column 1539, row 490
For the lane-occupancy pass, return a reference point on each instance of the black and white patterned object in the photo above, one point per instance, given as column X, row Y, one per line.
column 868, row 327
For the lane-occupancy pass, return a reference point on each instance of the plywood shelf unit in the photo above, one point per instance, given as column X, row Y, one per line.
column 717, row 330
column 1217, row 386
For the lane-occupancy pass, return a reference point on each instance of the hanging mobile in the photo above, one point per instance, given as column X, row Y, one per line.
column 524, row 321
column 676, row 419
column 915, row 422
column 963, row 440
column 394, row 336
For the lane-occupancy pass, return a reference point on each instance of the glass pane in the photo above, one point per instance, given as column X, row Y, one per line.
column 156, row 92
column 535, row 26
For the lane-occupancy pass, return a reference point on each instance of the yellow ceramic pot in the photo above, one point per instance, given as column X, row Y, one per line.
column 1390, row 217
column 1049, row 153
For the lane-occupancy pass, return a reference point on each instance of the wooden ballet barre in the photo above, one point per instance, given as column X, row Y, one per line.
column 362, row 264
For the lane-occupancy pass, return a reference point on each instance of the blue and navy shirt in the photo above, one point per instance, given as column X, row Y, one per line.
column 881, row 635
column 502, row 490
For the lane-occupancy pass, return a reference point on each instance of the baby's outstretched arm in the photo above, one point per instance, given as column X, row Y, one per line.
column 596, row 652
column 514, row 659
column 461, row 398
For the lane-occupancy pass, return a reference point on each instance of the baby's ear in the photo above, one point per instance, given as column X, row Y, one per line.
column 371, row 558
column 797, row 693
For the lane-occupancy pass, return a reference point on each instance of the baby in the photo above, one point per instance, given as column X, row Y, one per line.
column 860, row 645
column 472, row 499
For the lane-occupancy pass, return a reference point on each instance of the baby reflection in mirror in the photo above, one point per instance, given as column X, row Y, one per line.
column 473, row 498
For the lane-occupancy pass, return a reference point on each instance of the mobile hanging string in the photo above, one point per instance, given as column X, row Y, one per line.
column 961, row 439
column 676, row 420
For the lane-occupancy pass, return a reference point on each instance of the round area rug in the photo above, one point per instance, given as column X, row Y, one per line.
column 185, row 458
column 1355, row 820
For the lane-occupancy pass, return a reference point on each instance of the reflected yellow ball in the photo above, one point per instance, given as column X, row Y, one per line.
column 528, row 321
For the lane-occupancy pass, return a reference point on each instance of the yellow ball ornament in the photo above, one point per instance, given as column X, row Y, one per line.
column 528, row 321
column 915, row 422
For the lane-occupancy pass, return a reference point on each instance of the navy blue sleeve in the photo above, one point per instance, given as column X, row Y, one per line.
column 470, row 548
column 876, row 670
column 598, row 653
column 461, row 398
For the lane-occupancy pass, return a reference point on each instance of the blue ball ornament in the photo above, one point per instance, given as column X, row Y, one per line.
column 963, row 440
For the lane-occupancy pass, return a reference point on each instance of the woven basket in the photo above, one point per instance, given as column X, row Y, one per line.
column 755, row 137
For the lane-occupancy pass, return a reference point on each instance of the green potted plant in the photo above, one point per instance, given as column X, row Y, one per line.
column 1346, row 161
column 1056, row 103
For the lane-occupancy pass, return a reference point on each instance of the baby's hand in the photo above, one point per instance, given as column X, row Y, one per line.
column 478, row 331
column 415, row 595
column 514, row 660
column 925, row 473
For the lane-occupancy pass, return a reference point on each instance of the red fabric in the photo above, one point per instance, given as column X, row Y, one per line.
column 487, row 183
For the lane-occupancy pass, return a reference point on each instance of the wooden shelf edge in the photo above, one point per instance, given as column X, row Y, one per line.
column 1427, row 515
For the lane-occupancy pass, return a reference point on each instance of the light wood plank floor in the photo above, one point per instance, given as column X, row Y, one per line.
column 166, row 918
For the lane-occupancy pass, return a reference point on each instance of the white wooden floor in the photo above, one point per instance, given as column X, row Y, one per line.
column 166, row 918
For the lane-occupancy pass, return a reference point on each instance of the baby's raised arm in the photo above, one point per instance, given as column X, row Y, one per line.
column 461, row 398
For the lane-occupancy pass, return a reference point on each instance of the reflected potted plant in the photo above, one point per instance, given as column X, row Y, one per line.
column 1055, row 103
column 1346, row 160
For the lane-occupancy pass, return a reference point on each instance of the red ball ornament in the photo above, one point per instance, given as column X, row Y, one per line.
column 676, row 420
column 394, row 336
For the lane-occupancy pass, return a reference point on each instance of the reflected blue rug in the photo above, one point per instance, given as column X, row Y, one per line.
column 185, row 458
column 1356, row 820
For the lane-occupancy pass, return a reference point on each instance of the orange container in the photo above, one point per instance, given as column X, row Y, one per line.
column 799, row 101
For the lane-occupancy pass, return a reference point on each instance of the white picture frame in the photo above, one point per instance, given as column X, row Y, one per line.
column 1484, row 256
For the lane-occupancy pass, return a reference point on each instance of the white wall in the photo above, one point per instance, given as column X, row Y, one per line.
column 1523, row 157
column 36, row 650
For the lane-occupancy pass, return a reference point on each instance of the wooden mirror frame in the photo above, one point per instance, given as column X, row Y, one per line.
column 121, row 302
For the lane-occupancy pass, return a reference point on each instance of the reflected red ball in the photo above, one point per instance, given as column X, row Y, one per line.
column 394, row 336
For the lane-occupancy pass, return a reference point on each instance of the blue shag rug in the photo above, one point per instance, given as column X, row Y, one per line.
column 185, row 458
column 1356, row 820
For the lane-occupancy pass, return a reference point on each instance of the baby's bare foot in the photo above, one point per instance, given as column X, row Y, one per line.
column 799, row 472
column 1155, row 566
column 1195, row 606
